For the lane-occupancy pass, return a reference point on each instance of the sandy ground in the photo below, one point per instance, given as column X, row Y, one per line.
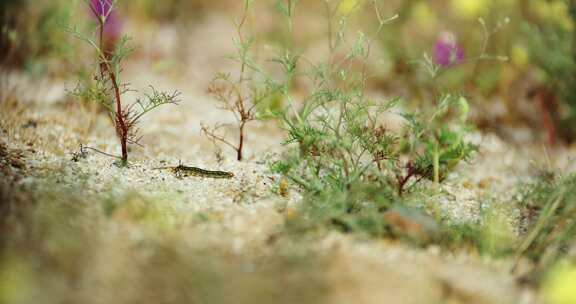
column 248, row 213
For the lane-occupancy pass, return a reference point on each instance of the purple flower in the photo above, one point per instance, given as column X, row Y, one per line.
column 446, row 50
column 113, row 26
column 112, row 22
column 102, row 7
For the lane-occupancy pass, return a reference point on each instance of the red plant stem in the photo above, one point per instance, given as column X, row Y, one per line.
column 121, row 126
column 549, row 108
column 241, row 141
column 402, row 181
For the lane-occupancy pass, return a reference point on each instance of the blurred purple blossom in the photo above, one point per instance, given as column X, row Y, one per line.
column 447, row 51
column 102, row 7
column 113, row 23
column 113, row 26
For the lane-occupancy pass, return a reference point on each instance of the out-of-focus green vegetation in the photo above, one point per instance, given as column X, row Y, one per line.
column 32, row 35
column 536, row 35
column 550, row 209
column 357, row 175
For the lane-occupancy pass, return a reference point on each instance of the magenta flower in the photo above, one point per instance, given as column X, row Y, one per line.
column 102, row 7
column 112, row 23
column 447, row 51
column 113, row 26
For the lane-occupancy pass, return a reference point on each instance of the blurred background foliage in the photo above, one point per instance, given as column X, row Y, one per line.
column 532, row 88
column 518, row 71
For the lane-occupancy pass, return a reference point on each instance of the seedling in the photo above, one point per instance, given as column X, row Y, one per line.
column 239, row 96
column 107, row 89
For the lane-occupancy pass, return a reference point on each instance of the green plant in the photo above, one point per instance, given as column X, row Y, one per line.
column 106, row 87
column 358, row 209
column 551, row 207
column 553, row 52
column 30, row 33
column 491, row 236
column 341, row 134
column 339, row 148
column 352, row 165
column 241, row 96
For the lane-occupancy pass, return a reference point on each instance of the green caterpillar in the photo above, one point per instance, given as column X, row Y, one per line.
column 185, row 171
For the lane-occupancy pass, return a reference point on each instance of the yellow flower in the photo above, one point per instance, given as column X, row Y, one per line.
column 519, row 55
column 542, row 9
column 559, row 285
column 566, row 23
column 423, row 15
column 470, row 9
column 560, row 12
column 553, row 11
column 347, row 7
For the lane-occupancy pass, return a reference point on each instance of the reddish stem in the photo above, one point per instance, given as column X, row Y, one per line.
column 121, row 126
column 241, row 141
column 549, row 108
column 402, row 181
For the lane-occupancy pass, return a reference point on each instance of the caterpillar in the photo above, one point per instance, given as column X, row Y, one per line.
column 185, row 171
